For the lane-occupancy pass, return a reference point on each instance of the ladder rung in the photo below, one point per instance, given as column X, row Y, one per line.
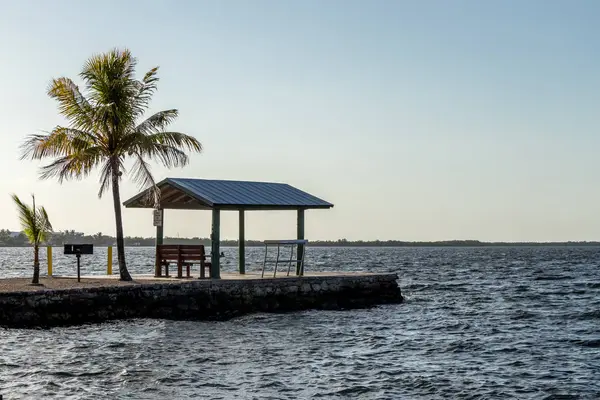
column 282, row 261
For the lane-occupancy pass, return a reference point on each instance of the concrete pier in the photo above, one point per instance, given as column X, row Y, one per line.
column 193, row 299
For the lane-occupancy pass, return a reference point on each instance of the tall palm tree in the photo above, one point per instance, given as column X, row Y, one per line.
column 104, row 129
column 36, row 227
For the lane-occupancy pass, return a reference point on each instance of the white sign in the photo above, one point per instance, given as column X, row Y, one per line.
column 158, row 217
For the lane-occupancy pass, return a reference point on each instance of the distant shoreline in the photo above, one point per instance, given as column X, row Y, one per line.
column 17, row 239
column 132, row 242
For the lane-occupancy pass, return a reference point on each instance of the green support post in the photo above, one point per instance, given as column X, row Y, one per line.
column 215, row 271
column 299, row 265
column 159, row 241
column 242, row 245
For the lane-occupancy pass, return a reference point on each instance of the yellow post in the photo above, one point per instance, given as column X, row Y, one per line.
column 109, row 265
column 49, row 249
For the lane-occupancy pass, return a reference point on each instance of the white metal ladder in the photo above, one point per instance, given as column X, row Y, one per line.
column 290, row 260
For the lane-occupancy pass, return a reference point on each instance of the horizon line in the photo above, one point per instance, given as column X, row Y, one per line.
column 344, row 240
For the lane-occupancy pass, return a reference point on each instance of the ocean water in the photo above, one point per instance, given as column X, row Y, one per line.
column 478, row 323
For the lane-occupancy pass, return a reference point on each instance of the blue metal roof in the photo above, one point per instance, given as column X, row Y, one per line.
column 206, row 193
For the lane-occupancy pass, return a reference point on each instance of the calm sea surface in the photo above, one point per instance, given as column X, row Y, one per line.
column 520, row 323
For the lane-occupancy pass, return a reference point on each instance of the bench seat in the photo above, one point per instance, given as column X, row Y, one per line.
column 182, row 255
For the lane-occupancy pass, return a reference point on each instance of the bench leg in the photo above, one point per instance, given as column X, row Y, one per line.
column 167, row 270
column 179, row 271
column 187, row 270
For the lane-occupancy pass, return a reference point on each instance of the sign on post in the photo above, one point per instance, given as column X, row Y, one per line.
column 158, row 217
column 74, row 249
column 78, row 250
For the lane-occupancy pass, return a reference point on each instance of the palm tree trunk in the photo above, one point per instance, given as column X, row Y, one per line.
column 125, row 276
column 36, row 265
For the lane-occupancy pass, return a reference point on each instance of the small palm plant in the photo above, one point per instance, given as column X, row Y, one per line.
column 36, row 227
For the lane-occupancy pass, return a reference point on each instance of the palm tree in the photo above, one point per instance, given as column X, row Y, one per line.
column 36, row 227
column 104, row 129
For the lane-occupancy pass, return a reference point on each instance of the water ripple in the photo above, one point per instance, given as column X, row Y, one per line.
column 478, row 323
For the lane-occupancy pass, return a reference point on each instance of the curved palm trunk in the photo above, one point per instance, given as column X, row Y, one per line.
column 125, row 276
column 36, row 265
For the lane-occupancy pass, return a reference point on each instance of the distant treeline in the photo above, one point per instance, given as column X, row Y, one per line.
column 17, row 239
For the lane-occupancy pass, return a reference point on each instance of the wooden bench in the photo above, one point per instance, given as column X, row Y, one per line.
column 181, row 255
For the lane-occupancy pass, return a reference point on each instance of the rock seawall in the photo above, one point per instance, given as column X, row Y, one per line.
column 196, row 300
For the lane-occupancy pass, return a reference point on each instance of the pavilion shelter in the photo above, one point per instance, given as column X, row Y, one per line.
column 227, row 195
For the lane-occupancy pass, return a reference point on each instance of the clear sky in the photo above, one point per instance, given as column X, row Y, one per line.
column 419, row 120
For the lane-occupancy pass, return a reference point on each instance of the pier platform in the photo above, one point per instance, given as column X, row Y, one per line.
column 97, row 298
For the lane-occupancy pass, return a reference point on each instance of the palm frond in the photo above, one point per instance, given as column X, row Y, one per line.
column 141, row 172
column 169, row 156
column 157, row 122
column 72, row 104
column 175, row 139
column 45, row 227
column 26, row 215
column 105, row 178
column 167, row 147
column 75, row 165
column 60, row 142
column 106, row 174
column 144, row 178
column 106, row 75
column 109, row 78
column 146, row 89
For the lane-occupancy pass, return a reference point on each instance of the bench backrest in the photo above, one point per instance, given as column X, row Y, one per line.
column 185, row 252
